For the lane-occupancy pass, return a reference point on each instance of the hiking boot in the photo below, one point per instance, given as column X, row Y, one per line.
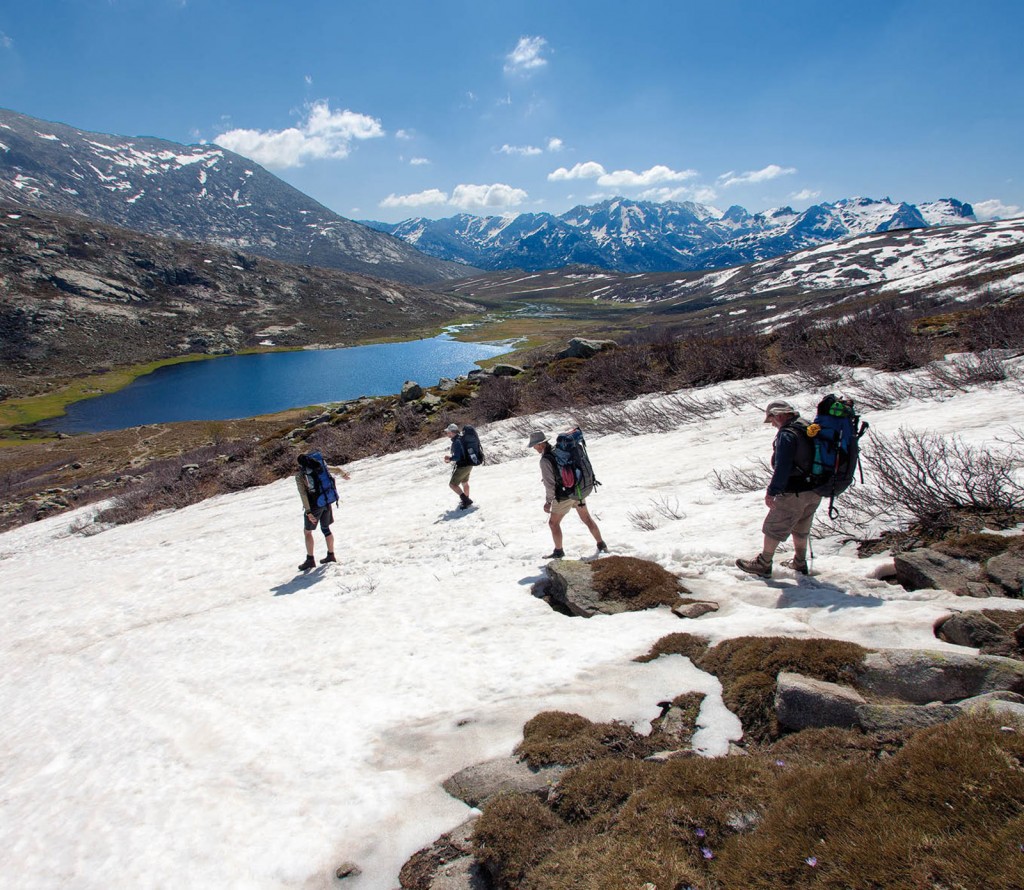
column 602, row 547
column 464, row 502
column 310, row 563
column 557, row 553
column 797, row 565
column 328, row 558
column 757, row 566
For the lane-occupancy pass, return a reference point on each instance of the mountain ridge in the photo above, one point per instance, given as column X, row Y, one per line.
column 196, row 193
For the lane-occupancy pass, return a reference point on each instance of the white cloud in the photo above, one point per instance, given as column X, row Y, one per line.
column 772, row 171
column 324, row 134
column 5, row 41
column 805, row 195
column 309, row 80
column 649, row 177
column 526, row 57
column 419, row 162
column 403, row 134
column 430, row 196
column 555, row 144
column 470, row 197
column 700, row 194
column 586, row 170
column 465, row 197
column 993, row 208
column 521, row 150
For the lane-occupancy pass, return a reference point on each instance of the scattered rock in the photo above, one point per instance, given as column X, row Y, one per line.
column 447, row 864
column 899, row 717
column 503, row 370
column 802, row 702
column 930, row 570
column 411, row 391
column 580, row 348
column 694, row 608
column 920, row 677
column 1007, row 570
column 347, row 870
column 477, row 784
column 972, row 629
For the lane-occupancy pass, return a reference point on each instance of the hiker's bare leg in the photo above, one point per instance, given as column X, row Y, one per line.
column 465, row 488
column 455, row 488
column 800, row 547
column 555, row 524
column 771, row 545
column 309, row 543
column 330, row 542
column 588, row 521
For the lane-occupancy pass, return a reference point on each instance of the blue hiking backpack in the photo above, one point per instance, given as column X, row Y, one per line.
column 319, row 482
column 573, row 471
column 835, row 433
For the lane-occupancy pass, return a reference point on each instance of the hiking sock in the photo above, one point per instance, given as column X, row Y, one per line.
column 557, row 553
column 308, row 564
column 328, row 558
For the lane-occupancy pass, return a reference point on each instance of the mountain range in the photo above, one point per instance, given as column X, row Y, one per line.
column 640, row 236
column 194, row 192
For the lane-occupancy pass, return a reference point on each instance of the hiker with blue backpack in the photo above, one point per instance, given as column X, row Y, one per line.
column 568, row 479
column 810, row 461
column 318, row 492
column 466, row 453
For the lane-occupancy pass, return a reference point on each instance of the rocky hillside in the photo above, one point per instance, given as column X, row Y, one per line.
column 77, row 296
column 197, row 192
column 642, row 236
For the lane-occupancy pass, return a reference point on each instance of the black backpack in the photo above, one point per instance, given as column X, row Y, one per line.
column 319, row 481
column 573, row 471
column 474, row 454
column 835, row 434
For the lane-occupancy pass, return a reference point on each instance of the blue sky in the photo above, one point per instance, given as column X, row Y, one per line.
column 385, row 110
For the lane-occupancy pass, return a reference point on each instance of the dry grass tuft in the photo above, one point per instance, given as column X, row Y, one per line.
column 642, row 583
column 676, row 644
column 558, row 737
column 977, row 546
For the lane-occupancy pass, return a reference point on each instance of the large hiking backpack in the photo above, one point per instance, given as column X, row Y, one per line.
column 573, row 471
column 471, row 446
column 319, row 481
column 836, row 433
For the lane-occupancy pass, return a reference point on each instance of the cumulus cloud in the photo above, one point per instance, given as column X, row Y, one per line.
column 526, row 57
column 555, row 144
column 805, row 195
column 323, row 134
column 993, row 208
column 5, row 41
column 524, row 151
column 403, row 134
column 309, row 80
column 772, row 171
column 465, row 197
column 419, row 162
column 586, row 170
column 420, row 199
column 700, row 194
column 621, row 178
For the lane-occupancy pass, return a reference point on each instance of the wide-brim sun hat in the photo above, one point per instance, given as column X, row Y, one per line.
column 451, row 428
column 536, row 437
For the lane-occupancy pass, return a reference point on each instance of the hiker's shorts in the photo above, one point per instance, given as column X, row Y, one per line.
column 324, row 516
column 792, row 513
column 560, row 508
column 460, row 475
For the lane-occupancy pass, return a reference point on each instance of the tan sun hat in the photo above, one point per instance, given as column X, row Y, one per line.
column 779, row 406
column 536, row 437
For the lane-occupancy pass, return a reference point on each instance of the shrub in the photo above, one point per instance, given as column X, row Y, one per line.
column 498, row 400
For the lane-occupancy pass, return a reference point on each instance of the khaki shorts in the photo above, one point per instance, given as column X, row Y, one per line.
column 460, row 475
column 791, row 514
column 560, row 508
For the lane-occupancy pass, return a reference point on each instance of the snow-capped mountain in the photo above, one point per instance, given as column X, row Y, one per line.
column 640, row 236
column 196, row 192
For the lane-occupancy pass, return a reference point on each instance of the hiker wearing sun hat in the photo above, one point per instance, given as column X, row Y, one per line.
column 790, row 498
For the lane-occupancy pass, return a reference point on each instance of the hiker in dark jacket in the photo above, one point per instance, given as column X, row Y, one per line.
column 558, row 509
column 461, row 466
column 790, row 498
column 313, row 516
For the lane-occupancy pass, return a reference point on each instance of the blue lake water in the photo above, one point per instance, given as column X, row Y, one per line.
column 245, row 385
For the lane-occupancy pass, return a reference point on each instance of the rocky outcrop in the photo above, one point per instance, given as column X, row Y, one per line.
column 927, row 569
column 1007, row 570
column 919, row 677
column 447, row 864
column 973, row 629
column 802, row 703
column 581, row 348
column 477, row 784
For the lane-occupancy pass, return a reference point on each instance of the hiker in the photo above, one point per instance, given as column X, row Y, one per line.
column 462, row 466
column 314, row 487
column 557, row 507
column 790, row 498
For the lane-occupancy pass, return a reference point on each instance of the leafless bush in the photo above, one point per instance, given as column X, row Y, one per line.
column 706, row 360
column 937, row 484
column 667, row 508
column 661, row 414
column 964, row 371
column 498, row 399
column 642, row 520
column 615, row 374
column 994, row 327
column 742, row 480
